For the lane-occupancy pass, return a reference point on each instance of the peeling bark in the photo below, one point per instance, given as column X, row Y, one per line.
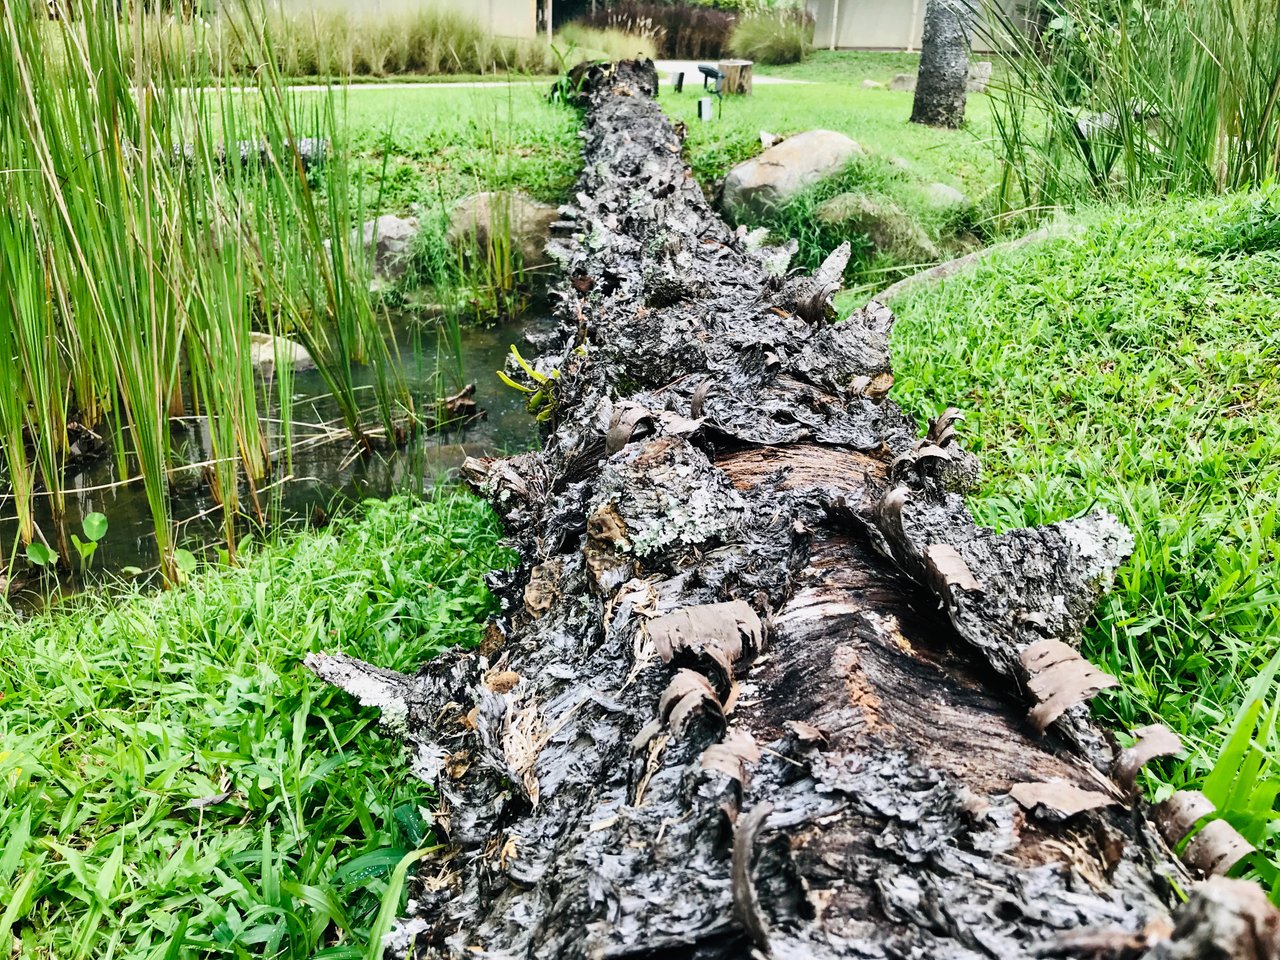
column 760, row 686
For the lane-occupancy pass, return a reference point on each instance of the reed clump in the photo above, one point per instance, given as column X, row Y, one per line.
column 1117, row 100
column 773, row 37
column 149, row 224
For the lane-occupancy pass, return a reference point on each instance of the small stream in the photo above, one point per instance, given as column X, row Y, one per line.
column 324, row 476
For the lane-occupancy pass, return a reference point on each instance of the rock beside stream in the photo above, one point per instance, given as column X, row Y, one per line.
column 388, row 243
column 264, row 348
column 482, row 218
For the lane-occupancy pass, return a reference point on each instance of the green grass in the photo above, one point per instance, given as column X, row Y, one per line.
column 442, row 143
column 121, row 711
column 903, row 157
column 1134, row 366
column 846, row 66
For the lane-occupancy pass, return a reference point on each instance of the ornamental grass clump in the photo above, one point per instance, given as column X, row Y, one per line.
column 773, row 36
column 1124, row 100
column 148, row 224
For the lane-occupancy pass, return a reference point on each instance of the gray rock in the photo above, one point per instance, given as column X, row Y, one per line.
column 883, row 222
column 782, row 171
column 480, row 218
column 944, row 195
column 264, row 349
column 903, row 82
column 872, row 85
column 979, row 76
column 387, row 243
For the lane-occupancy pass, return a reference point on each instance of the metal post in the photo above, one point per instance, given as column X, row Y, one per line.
column 915, row 19
column 835, row 22
column 548, row 12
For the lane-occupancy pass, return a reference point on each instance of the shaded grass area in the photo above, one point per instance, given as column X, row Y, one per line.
column 1133, row 366
column 174, row 783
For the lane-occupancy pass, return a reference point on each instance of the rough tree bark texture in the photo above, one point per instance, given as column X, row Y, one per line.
column 944, row 65
column 761, row 688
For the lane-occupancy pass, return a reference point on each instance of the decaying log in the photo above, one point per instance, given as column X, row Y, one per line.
column 760, row 686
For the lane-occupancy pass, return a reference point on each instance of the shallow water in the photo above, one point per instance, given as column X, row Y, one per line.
column 323, row 476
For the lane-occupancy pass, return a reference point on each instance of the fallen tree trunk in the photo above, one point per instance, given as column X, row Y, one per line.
column 761, row 687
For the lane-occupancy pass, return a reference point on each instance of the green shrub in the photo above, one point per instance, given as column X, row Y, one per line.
column 774, row 37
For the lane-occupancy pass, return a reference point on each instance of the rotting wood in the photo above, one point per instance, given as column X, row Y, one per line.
column 837, row 760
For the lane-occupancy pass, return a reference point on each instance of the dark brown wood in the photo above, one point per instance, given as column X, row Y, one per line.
column 760, row 687
column 737, row 76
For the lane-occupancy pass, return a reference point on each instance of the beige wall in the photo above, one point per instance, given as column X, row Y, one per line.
column 507, row 18
column 878, row 24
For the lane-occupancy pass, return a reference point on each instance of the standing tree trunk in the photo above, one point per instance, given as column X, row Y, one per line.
column 944, row 65
column 760, row 687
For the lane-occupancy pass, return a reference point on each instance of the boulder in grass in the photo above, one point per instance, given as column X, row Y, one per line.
column 784, row 170
column 872, row 85
column 388, row 243
column 264, row 349
column 945, row 196
column 881, row 221
column 481, row 217
column 903, row 82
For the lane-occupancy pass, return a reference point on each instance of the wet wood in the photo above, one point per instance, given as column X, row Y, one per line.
column 760, row 687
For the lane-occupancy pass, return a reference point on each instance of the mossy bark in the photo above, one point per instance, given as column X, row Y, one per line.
column 760, row 687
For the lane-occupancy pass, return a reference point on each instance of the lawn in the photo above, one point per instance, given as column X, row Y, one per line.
column 849, row 67
column 1133, row 365
column 443, row 142
column 876, row 119
column 903, row 160
column 174, row 783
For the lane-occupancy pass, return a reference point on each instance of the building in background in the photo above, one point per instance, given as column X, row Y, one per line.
column 883, row 24
column 505, row 18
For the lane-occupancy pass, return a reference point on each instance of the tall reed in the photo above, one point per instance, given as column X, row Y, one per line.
column 149, row 223
column 1127, row 99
